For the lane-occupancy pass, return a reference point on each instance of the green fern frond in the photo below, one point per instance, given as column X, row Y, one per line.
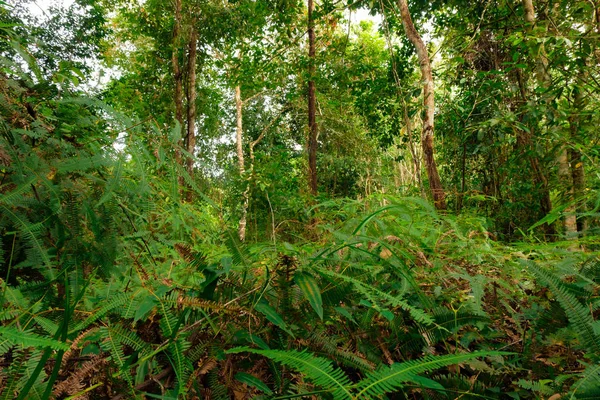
column 181, row 364
column 31, row 232
column 388, row 379
column 579, row 316
column 375, row 295
column 591, row 269
column 540, row 387
column 120, row 335
column 30, row 339
column 237, row 250
column 446, row 323
column 318, row 370
column 326, row 342
column 113, row 303
column 169, row 320
column 589, row 384
column 49, row 326
column 463, row 387
column 15, row 196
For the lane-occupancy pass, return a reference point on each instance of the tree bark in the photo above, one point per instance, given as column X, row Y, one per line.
column 191, row 103
column 564, row 174
column 178, row 78
column 435, row 184
column 240, row 155
column 312, row 123
column 577, row 170
column 239, row 129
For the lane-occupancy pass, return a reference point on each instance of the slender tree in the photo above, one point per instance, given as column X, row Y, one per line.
column 239, row 104
column 191, row 101
column 312, row 123
column 178, row 78
column 439, row 196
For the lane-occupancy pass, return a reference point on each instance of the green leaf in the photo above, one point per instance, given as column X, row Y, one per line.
column 264, row 308
column 253, row 381
column 311, row 291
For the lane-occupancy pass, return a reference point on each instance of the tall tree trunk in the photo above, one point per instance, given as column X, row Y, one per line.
column 577, row 170
column 312, row 123
column 178, row 77
column 239, row 129
column 564, row 174
column 240, row 155
column 191, row 102
column 526, row 139
column 439, row 196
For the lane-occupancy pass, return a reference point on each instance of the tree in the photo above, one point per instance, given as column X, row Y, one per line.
column 435, row 184
column 312, row 110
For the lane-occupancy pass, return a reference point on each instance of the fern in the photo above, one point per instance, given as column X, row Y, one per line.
column 376, row 383
column 30, row 339
column 578, row 315
column 446, row 323
column 589, row 385
column 373, row 294
column 388, row 379
column 319, row 370
column 326, row 342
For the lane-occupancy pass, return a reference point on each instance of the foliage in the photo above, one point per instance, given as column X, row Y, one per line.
column 121, row 274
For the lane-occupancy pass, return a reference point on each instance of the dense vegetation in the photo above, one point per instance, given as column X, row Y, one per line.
column 264, row 199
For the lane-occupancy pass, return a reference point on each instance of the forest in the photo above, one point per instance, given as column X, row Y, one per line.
column 299, row 199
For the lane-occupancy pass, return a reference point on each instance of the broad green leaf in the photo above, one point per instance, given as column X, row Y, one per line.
column 264, row 308
column 311, row 291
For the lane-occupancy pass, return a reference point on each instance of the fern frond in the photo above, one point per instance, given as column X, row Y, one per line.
column 114, row 302
column 589, row 384
column 388, row 379
column 318, row 370
column 579, row 316
column 446, row 323
column 373, row 294
column 540, row 387
column 325, row 342
column 31, row 232
column 30, row 339
column 181, row 364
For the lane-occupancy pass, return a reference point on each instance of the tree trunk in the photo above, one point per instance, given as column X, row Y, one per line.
column 439, row 196
column 240, row 155
column 191, row 98
column 312, row 123
column 577, row 170
column 564, row 174
column 178, row 78
column 526, row 139
column 413, row 152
